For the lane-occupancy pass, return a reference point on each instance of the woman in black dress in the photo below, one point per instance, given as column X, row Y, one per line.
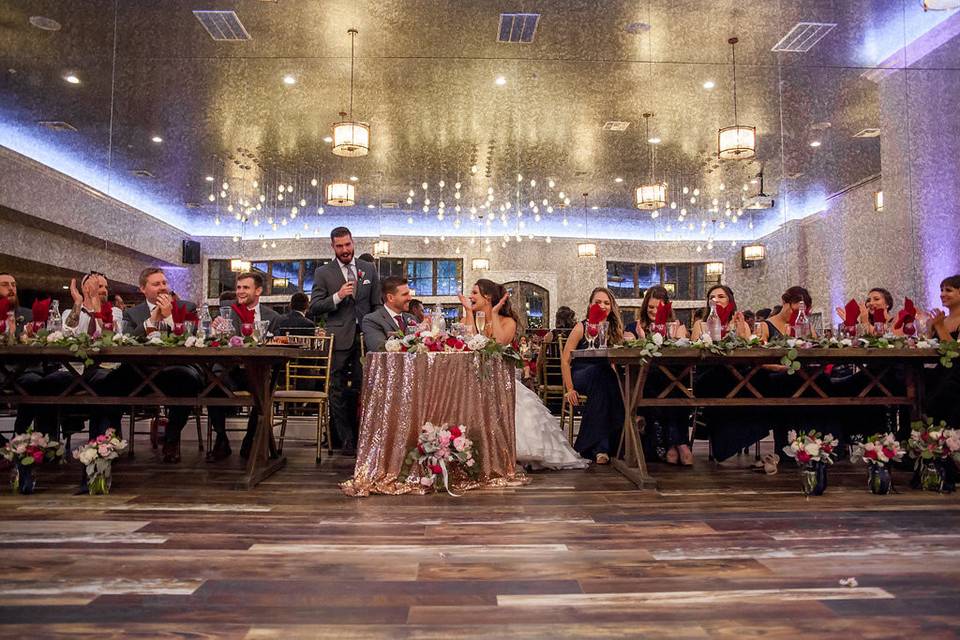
column 943, row 399
column 602, row 418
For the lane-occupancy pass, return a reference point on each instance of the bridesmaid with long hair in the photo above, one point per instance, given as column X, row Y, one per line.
column 877, row 308
column 602, row 418
column 666, row 427
column 731, row 319
column 944, row 383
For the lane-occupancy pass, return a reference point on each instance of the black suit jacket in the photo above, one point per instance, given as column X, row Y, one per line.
column 343, row 319
column 294, row 324
column 136, row 315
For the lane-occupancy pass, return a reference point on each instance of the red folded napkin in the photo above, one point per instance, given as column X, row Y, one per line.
column 596, row 314
column 851, row 313
column 247, row 316
column 180, row 314
column 663, row 313
column 106, row 315
column 793, row 317
column 725, row 313
column 41, row 311
column 879, row 315
column 906, row 316
column 5, row 308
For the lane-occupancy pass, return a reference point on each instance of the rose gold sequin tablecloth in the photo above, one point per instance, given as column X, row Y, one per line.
column 402, row 391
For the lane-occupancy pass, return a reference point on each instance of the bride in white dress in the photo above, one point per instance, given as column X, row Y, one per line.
column 540, row 441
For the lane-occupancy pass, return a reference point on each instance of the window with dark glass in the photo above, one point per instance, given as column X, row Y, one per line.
column 685, row 281
column 426, row 276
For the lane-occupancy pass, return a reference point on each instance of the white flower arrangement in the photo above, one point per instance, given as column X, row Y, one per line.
column 477, row 342
column 393, row 345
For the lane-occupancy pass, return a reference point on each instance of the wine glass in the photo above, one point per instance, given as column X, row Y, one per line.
column 260, row 330
column 593, row 330
column 602, row 335
column 480, row 318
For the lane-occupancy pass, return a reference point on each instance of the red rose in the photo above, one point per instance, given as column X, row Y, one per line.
column 826, row 448
column 37, row 456
column 803, row 456
column 215, row 343
column 871, row 454
column 420, row 448
column 436, row 469
column 888, row 452
column 924, row 436
column 455, row 432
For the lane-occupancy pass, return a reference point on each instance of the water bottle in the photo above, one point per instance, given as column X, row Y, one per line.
column 801, row 328
column 714, row 327
column 204, row 321
column 437, row 322
column 54, row 320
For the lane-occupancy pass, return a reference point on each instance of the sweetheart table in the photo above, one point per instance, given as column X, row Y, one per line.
column 402, row 391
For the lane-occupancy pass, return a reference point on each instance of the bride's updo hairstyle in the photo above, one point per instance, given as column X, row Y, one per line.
column 494, row 292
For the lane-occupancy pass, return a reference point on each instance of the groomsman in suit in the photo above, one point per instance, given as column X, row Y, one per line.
column 345, row 290
column 28, row 379
column 392, row 317
column 176, row 381
column 249, row 290
column 296, row 322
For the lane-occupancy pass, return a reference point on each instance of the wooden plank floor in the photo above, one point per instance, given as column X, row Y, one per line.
column 718, row 552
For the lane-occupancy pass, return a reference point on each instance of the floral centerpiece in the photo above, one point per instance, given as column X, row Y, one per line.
column 936, row 450
column 98, row 456
column 878, row 451
column 440, row 451
column 426, row 340
column 27, row 451
column 813, row 452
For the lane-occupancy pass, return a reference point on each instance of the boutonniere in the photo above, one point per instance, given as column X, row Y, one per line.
column 360, row 274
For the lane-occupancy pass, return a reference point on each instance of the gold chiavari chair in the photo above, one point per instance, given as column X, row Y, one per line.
column 567, row 410
column 311, row 368
column 549, row 372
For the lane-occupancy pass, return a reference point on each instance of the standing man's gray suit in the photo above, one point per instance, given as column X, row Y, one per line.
column 345, row 290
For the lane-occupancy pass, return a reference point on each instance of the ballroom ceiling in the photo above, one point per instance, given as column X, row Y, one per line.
column 426, row 79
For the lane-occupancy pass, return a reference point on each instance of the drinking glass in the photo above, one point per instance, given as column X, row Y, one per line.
column 593, row 330
column 260, row 330
column 227, row 314
column 190, row 328
column 673, row 328
column 179, row 328
column 879, row 329
column 602, row 335
column 661, row 329
column 480, row 318
column 846, row 331
column 246, row 329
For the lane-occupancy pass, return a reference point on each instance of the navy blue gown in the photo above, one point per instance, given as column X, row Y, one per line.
column 602, row 417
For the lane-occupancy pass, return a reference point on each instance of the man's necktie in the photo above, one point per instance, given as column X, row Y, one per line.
column 399, row 320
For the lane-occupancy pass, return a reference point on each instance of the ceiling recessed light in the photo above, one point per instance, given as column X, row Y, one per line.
column 327, row 139
column 72, row 78
column 370, row 206
column 709, row 84
column 209, row 178
column 500, row 81
column 289, row 79
column 157, row 139
column 618, row 180
column 653, row 140
column 44, row 23
column 593, row 208
column 354, row 178
column 815, row 143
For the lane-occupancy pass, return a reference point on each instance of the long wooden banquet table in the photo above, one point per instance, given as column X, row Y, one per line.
column 402, row 391
column 260, row 363
column 678, row 365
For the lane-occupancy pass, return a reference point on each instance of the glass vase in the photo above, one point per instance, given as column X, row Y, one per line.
column 101, row 478
column 814, row 479
column 23, row 479
column 879, row 480
column 931, row 476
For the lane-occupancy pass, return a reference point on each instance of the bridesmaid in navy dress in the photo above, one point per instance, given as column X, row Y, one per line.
column 602, row 418
column 942, row 403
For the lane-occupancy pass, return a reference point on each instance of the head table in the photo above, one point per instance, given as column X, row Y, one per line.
column 402, row 391
column 259, row 363
column 890, row 377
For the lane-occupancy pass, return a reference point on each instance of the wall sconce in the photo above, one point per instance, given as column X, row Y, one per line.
column 381, row 248
column 239, row 266
column 714, row 269
column 480, row 264
column 587, row 249
column 752, row 253
column 878, row 200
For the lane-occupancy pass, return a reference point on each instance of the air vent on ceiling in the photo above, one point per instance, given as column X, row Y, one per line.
column 803, row 36
column 615, row 125
column 143, row 173
column 389, row 205
column 223, row 26
column 56, row 125
column 581, row 174
column 867, row 133
column 192, row 205
column 518, row 28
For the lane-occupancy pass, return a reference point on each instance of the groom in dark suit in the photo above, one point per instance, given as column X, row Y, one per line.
column 345, row 290
column 393, row 317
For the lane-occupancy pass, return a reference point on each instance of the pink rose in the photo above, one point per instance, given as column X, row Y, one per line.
column 459, row 443
column 101, row 439
column 103, row 450
column 236, row 341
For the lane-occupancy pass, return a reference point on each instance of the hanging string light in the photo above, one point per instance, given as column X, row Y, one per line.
column 586, row 249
